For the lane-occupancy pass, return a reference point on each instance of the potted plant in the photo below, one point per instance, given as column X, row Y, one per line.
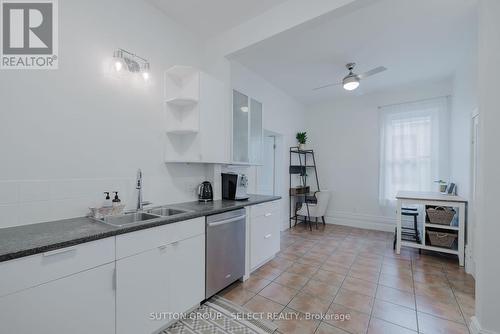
column 442, row 185
column 302, row 138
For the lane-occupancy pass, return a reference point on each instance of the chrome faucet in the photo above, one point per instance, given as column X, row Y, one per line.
column 140, row 203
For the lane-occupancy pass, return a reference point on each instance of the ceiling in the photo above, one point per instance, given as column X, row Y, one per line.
column 210, row 17
column 416, row 40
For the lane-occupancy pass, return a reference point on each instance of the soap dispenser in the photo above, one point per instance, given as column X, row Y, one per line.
column 107, row 201
column 116, row 200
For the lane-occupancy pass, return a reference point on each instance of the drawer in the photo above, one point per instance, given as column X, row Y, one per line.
column 265, row 209
column 143, row 240
column 26, row 272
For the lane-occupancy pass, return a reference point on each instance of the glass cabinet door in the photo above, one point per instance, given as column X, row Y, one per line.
column 241, row 118
column 255, row 131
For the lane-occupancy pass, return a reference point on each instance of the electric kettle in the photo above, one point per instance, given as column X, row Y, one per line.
column 205, row 192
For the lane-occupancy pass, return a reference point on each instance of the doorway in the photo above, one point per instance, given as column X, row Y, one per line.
column 267, row 179
column 268, row 174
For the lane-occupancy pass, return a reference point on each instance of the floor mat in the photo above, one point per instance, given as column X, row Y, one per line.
column 220, row 316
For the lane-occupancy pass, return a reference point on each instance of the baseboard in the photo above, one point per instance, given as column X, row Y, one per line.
column 370, row 222
column 475, row 327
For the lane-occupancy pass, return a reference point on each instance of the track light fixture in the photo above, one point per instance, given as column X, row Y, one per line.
column 125, row 60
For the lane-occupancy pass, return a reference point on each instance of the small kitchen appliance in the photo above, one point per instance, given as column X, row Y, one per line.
column 234, row 186
column 205, row 192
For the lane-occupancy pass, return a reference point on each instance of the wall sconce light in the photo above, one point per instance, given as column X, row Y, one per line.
column 125, row 60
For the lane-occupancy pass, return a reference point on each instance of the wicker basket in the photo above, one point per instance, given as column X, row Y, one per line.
column 440, row 215
column 441, row 239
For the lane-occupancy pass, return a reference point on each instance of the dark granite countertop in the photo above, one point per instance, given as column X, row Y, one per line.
column 20, row 241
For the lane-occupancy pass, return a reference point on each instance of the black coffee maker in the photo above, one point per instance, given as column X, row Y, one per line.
column 205, row 192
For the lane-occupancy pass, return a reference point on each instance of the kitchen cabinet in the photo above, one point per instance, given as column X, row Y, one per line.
column 264, row 233
column 196, row 117
column 154, row 283
column 81, row 303
column 60, row 290
column 247, row 129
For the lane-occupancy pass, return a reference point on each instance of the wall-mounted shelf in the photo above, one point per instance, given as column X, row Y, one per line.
column 182, row 101
column 196, row 117
column 225, row 163
column 182, row 131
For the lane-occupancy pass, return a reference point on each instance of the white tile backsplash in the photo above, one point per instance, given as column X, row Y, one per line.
column 28, row 202
column 68, row 208
column 9, row 192
column 34, row 212
column 30, row 191
column 9, row 215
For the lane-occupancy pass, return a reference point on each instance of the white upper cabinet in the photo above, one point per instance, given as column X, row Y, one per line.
column 247, row 129
column 196, row 114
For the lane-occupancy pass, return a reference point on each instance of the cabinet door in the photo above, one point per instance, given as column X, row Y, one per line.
column 78, row 304
column 214, row 120
column 255, row 147
column 263, row 240
column 241, row 119
column 187, row 277
column 142, row 283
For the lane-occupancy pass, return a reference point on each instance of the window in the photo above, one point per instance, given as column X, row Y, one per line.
column 414, row 147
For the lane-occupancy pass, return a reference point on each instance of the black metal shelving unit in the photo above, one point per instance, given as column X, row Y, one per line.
column 301, row 169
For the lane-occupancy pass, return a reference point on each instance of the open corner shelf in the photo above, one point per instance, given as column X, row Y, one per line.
column 182, row 131
column 182, row 101
column 181, row 71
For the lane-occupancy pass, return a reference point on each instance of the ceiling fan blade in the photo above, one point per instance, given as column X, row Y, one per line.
column 372, row 72
column 329, row 85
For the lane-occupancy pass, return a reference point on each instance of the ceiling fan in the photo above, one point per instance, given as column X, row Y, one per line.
column 351, row 81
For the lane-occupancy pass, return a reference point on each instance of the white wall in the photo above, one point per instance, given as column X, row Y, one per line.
column 70, row 134
column 345, row 135
column 281, row 114
column 488, row 227
column 464, row 104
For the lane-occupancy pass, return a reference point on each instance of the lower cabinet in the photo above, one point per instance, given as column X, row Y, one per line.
column 153, row 285
column 81, row 303
column 264, row 233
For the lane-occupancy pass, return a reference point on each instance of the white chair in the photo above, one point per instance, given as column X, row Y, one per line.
column 315, row 210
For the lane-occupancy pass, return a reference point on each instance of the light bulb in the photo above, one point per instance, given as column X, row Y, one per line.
column 351, row 85
column 244, row 109
column 118, row 65
column 145, row 76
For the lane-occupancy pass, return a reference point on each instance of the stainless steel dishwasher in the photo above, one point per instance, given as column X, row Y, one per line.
column 225, row 253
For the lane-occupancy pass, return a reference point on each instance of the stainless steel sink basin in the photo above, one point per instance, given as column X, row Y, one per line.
column 128, row 218
column 165, row 211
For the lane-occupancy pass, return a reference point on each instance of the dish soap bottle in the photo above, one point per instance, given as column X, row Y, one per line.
column 107, row 201
column 116, row 200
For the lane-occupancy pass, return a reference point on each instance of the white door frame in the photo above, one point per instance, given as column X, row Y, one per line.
column 472, row 217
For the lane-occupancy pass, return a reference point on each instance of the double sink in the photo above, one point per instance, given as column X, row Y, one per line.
column 142, row 216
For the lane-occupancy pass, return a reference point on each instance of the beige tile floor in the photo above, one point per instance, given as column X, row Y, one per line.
column 353, row 282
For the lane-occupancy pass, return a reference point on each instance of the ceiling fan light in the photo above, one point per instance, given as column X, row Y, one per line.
column 350, row 83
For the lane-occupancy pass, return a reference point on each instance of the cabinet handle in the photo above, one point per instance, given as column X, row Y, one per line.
column 268, row 214
column 267, row 236
column 162, row 247
column 59, row 251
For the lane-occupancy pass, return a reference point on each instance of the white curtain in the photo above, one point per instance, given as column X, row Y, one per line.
column 414, row 147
